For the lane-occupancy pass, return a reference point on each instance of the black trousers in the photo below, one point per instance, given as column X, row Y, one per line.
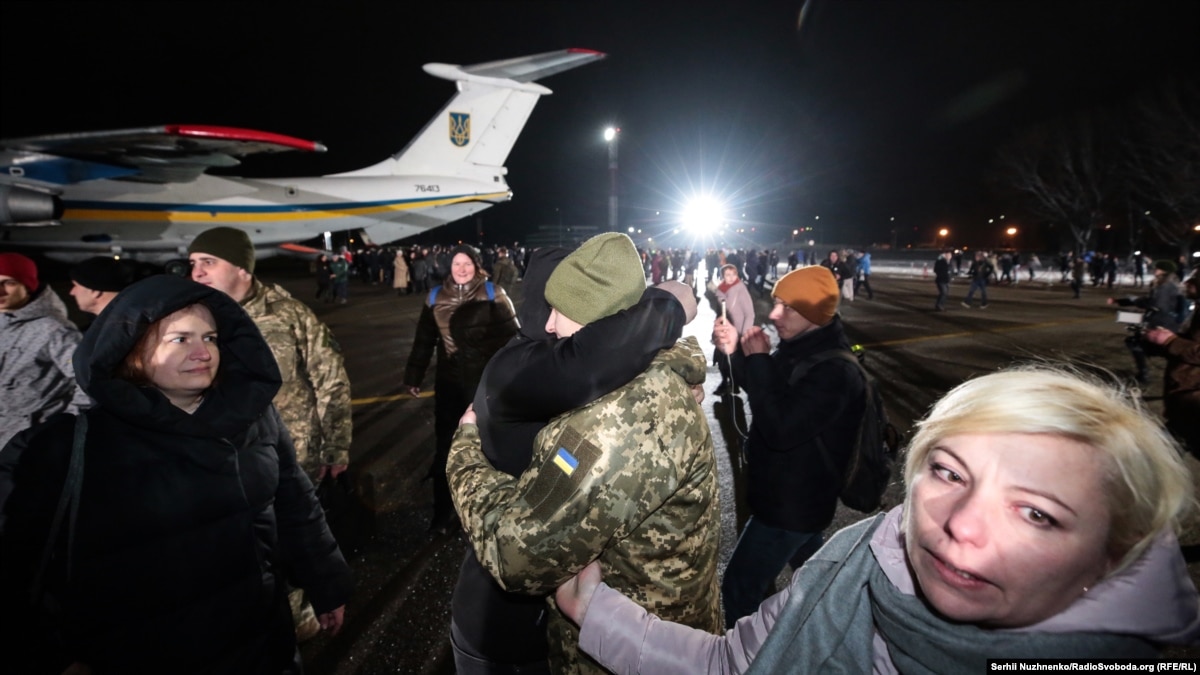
column 450, row 401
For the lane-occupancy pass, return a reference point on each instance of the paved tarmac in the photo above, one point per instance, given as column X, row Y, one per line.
column 398, row 620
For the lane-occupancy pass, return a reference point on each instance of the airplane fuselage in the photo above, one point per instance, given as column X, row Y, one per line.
column 145, row 193
column 155, row 223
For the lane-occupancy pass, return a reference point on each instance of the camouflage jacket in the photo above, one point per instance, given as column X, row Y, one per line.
column 314, row 400
column 629, row 479
column 506, row 273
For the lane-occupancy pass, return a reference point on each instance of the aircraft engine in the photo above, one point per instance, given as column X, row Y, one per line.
column 21, row 205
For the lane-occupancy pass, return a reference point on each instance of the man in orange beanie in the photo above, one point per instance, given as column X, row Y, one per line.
column 806, row 406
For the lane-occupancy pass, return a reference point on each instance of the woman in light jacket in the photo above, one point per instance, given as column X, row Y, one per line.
column 400, row 273
column 738, row 309
column 1039, row 523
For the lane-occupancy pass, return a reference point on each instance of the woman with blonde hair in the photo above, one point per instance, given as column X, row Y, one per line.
column 1039, row 522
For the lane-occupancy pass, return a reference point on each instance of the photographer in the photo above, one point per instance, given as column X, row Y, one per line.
column 1163, row 304
column 1181, row 382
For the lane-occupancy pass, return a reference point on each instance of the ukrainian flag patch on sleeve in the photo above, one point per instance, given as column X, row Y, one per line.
column 561, row 473
column 566, row 461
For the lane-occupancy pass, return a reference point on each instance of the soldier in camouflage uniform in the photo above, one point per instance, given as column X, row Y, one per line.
column 314, row 400
column 505, row 271
column 629, row 479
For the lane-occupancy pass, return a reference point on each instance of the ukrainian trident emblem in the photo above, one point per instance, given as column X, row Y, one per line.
column 460, row 128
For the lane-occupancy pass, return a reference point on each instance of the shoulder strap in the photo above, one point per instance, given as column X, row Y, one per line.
column 803, row 367
column 433, row 294
column 491, row 290
column 68, row 500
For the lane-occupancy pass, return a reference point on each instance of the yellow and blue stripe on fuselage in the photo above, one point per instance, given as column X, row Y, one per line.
column 222, row 213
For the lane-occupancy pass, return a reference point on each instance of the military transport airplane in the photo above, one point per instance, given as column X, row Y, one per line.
column 144, row 194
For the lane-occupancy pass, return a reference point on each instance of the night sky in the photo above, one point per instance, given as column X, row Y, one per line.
column 864, row 112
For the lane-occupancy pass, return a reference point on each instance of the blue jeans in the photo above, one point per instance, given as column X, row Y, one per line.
column 981, row 286
column 759, row 556
column 943, row 293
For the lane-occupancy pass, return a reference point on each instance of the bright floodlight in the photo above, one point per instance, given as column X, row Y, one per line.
column 703, row 215
column 610, row 133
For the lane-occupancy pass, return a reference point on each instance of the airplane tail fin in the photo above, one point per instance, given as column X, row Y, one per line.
column 473, row 134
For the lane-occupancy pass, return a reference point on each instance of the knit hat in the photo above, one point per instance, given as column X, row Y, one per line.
column 1166, row 266
column 102, row 274
column 601, row 277
column 683, row 293
column 21, row 268
column 811, row 291
column 472, row 253
column 227, row 243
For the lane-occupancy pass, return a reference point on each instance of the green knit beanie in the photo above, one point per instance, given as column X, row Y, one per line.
column 601, row 277
column 227, row 243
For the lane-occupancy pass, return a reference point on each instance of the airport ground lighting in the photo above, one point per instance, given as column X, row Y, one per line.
column 703, row 215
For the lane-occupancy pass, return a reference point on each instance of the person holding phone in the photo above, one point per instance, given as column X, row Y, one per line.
column 792, row 493
column 737, row 309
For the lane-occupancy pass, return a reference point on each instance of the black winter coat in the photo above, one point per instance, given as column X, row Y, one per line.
column 464, row 328
column 188, row 524
column 533, row 379
column 941, row 271
column 789, row 486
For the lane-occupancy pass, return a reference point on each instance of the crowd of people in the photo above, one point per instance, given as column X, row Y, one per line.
column 573, row 453
column 412, row 270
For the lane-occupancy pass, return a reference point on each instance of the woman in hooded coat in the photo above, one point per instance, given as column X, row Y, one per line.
column 191, row 510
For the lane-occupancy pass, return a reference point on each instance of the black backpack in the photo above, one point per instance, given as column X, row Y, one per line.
column 869, row 469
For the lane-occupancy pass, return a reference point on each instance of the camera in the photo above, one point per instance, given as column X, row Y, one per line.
column 1139, row 322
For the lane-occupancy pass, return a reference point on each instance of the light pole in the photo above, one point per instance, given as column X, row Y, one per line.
column 610, row 135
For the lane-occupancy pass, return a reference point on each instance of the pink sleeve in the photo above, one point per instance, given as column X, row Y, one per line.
column 624, row 638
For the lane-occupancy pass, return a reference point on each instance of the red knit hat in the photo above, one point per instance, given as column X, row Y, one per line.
column 21, row 268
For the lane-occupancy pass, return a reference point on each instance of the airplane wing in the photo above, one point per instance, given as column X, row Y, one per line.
column 308, row 250
column 173, row 153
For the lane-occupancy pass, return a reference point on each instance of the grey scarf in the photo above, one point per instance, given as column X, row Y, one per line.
column 841, row 597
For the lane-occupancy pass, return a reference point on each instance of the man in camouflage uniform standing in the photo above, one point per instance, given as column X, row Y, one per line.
column 314, row 400
column 629, row 479
column 505, row 271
